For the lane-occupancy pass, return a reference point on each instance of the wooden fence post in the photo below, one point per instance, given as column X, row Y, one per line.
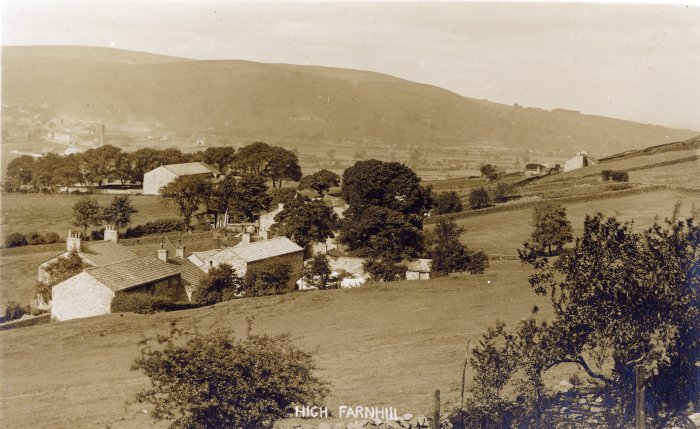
column 640, row 414
column 436, row 415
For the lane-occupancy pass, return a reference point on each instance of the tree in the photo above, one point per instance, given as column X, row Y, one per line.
column 118, row 212
column 384, row 270
column 250, row 198
column 222, row 198
column 187, row 192
column 22, row 169
column 489, row 171
column 221, row 284
column 252, row 159
column 380, row 233
column 317, row 271
column 502, row 192
column 15, row 239
column 449, row 254
column 321, row 181
column 447, row 202
column 59, row 270
column 282, row 164
column 551, row 226
column 387, row 205
column 100, row 164
column 218, row 381
column 306, row 221
column 267, row 279
column 87, row 213
column 220, row 157
column 479, row 198
column 620, row 298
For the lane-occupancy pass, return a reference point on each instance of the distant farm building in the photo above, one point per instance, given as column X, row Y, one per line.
column 532, row 170
column 155, row 179
column 579, row 161
column 418, row 269
column 247, row 255
column 112, row 269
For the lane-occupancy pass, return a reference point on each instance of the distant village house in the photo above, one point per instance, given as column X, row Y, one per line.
column 155, row 179
column 582, row 159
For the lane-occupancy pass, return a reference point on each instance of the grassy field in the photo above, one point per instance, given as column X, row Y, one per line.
column 54, row 213
column 504, row 232
column 18, row 277
column 686, row 175
column 383, row 345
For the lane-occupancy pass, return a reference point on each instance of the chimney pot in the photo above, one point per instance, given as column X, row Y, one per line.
column 163, row 254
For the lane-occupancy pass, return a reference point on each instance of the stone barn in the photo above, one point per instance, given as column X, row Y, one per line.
column 247, row 255
column 155, row 179
column 418, row 269
column 579, row 161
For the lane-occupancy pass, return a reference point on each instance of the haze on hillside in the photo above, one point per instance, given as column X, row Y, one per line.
column 626, row 61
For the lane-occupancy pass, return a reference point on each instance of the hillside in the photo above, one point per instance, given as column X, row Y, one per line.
column 292, row 103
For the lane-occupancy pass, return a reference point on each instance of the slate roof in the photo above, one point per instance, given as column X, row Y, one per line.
column 189, row 272
column 191, row 168
column 265, row 249
column 105, row 253
column 420, row 265
column 132, row 273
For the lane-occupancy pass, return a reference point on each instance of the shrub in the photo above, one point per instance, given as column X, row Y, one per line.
column 479, row 198
column 267, row 279
column 606, row 175
column 220, row 284
column 317, row 272
column 502, row 192
column 14, row 311
column 620, row 176
column 158, row 226
column 384, row 270
column 447, row 202
column 145, row 303
column 218, row 381
column 51, row 237
column 15, row 239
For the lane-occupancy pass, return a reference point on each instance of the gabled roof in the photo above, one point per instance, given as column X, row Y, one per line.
column 420, row 265
column 189, row 272
column 191, row 168
column 102, row 253
column 265, row 249
column 136, row 272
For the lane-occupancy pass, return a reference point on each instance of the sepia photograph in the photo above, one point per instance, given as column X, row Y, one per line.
column 349, row 214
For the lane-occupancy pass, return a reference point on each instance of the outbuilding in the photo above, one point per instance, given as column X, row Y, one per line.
column 155, row 179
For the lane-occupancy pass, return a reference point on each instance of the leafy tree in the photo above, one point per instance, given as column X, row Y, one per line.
column 220, row 157
column 118, row 212
column 489, row 171
column 100, row 164
column 250, row 198
column 449, row 254
column 551, row 226
column 87, row 213
column 123, row 168
column 384, row 270
column 385, row 184
column 218, row 381
column 220, row 284
column 67, row 171
column 22, row 169
column 187, row 192
column 387, row 205
column 502, row 192
column 281, row 195
column 447, row 202
column 59, row 270
column 380, row 233
column 321, row 181
column 282, row 164
column 252, row 159
column 305, row 221
column 267, row 279
column 479, row 198
column 317, row 271
column 620, row 298
column 222, row 198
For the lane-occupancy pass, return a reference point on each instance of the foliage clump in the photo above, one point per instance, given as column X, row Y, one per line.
column 449, row 255
column 216, row 380
column 221, row 284
column 268, row 278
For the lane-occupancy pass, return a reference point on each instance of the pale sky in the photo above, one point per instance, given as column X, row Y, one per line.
column 630, row 61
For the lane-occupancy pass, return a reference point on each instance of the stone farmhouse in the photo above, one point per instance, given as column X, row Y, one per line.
column 582, row 159
column 249, row 254
column 155, row 179
column 113, row 269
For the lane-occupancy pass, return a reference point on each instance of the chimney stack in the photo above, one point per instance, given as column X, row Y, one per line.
column 73, row 241
column 180, row 251
column 111, row 234
column 163, row 253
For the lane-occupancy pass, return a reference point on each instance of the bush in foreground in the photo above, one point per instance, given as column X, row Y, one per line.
column 218, row 381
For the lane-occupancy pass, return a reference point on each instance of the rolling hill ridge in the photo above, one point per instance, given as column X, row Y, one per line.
column 295, row 103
